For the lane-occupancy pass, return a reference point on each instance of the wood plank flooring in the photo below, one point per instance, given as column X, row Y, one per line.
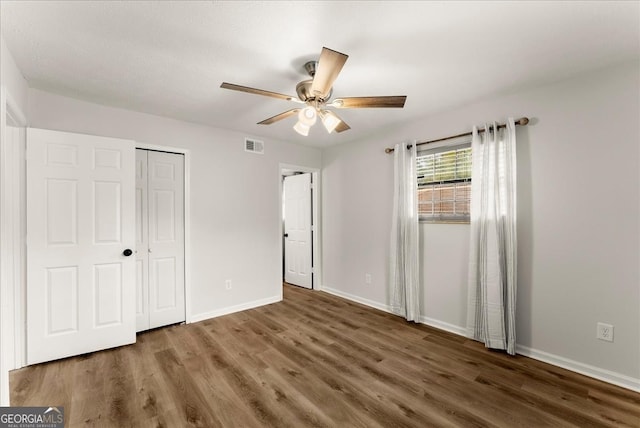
column 315, row 360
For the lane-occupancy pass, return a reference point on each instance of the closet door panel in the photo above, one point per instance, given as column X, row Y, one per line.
column 142, row 244
column 166, row 238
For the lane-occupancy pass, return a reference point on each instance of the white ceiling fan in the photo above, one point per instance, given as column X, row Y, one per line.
column 316, row 93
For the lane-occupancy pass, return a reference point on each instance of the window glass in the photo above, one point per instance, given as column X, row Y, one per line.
column 444, row 184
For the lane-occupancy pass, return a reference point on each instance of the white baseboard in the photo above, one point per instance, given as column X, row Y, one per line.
column 386, row 308
column 236, row 308
column 604, row 375
column 357, row 299
column 443, row 326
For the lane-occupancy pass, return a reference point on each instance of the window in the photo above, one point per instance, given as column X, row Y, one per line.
column 444, row 184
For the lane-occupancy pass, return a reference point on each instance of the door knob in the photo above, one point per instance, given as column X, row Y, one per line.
column 286, row 235
column 127, row 252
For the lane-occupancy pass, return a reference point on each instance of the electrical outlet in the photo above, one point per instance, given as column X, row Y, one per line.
column 367, row 278
column 605, row 332
column 227, row 284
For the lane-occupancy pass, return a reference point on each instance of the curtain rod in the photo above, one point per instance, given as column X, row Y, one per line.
column 522, row 121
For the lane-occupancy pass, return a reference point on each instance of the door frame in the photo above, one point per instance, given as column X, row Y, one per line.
column 13, row 237
column 187, row 218
column 316, row 259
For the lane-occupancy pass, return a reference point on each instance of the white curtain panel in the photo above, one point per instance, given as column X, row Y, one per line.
column 404, row 278
column 491, row 307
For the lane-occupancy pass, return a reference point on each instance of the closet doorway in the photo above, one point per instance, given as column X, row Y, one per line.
column 160, row 236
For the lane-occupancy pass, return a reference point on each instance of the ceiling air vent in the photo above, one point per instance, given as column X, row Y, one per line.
column 253, row 146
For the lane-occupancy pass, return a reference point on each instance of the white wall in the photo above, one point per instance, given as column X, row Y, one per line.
column 578, row 208
column 11, row 77
column 235, row 225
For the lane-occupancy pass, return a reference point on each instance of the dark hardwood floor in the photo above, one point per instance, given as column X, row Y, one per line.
column 315, row 360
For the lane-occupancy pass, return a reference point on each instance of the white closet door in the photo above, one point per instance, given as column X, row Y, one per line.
column 160, row 239
column 142, row 242
column 297, row 228
column 166, row 239
column 80, row 224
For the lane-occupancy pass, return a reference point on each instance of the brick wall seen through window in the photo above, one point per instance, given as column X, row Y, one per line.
column 444, row 184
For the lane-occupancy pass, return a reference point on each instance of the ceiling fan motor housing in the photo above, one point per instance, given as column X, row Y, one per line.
column 303, row 89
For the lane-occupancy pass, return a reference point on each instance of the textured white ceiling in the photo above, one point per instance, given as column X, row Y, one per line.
column 169, row 58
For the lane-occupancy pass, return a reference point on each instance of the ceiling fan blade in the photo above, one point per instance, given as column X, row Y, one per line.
column 249, row 90
column 369, row 102
column 342, row 126
column 329, row 66
column 280, row 116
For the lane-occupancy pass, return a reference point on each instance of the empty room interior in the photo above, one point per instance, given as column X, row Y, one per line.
column 320, row 213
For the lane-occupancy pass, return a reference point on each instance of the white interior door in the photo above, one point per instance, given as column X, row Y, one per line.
column 297, row 230
column 80, row 222
column 160, row 239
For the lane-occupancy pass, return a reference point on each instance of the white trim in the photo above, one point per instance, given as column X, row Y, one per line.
column 20, row 245
column 441, row 325
column 6, row 260
column 236, row 308
column 12, row 241
column 357, row 299
column 317, row 226
column 187, row 219
column 604, row 375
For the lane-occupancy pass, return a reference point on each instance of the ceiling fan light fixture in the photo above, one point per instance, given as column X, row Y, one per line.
column 329, row 120
column 301, row 128
column 316, row 93
column 308, row 116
